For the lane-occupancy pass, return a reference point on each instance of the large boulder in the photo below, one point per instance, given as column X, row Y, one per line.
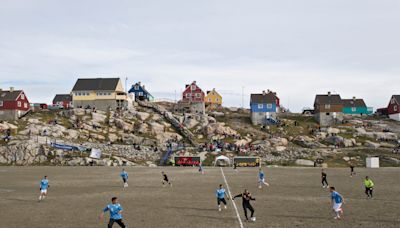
column 372, row 144
column 332, row 130
column 99, row 118
column 142, row 115
column 156, row 128
column 190, row 122
column 278, row 141
column 121, row 124
column 334, row 140
column 304, row 162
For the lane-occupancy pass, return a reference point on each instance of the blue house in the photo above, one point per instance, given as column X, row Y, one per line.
column 140, row 92
column 264, row 108
column 356, row 107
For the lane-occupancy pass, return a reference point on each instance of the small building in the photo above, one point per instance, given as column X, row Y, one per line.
column 394, row 108
column 63, row 101
column 35, row 107
column 13, row 104
column 99, row 93
column 213, row 99
column 192, row 100
column 140, row 92
column 356, row 106
column 382, row 112
column 328, row 109
column 264, row 108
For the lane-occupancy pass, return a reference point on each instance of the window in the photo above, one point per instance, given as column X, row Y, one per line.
column 327, row 113
column 19, row 104
column 353, row 109
column 260, row 106
column 395, row 108
column 327, row 106
column 22, row 96
column 188, row 95
column 109, row 94
column 217, row 99
column 392, row 101
column 25, row 105
column 198, row 95
column 269, row 106
column 136, row 87
column 193, row 87
column 140, row 94
column 1, row 103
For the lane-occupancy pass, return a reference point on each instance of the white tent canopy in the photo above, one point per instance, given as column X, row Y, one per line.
column 222, row 160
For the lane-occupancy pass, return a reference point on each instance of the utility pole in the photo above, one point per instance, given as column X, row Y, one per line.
column 242, row 97
column 126, row 84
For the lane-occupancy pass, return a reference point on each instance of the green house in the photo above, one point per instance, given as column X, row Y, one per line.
column 356, row 107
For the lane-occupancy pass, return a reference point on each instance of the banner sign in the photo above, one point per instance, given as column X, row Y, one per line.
column 247, row 161
column 95, row 153
column 187, row 161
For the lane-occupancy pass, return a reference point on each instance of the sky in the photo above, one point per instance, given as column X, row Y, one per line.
column 295, row 48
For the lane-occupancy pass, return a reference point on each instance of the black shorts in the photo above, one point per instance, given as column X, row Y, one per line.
column 166, row 180
column 124, row 180
column 221, row 200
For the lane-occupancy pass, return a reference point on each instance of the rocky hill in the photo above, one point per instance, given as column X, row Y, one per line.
column 143, row 134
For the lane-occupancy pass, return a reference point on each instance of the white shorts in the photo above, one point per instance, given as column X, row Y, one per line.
column 43, row 191
column 337, row 207
column 261, row 180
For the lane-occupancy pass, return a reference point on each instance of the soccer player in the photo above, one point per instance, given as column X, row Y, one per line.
column 235, row 167
column 124, row 176
column 337, row 201
column 165, row 179
column 44, row 185
column 115, row 213
column 352, row 172
column 201, row 169
column 324, row 179
column 246, row 197
column 369, row 187
column 220, row 193
column 261, row 179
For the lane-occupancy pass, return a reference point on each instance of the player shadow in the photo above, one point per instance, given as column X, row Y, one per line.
column 300, row 216
column 20, row 200
column 192, row 208
column 211, row 217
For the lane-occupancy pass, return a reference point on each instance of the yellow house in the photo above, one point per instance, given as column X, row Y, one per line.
column 99, row 93
column 213, row 99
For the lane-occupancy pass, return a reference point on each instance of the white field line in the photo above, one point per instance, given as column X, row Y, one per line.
column 233, row 202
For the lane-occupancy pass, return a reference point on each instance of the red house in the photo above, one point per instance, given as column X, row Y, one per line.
column 63, row 101
column 394, row 108
column 13, row 104
column 193, row 93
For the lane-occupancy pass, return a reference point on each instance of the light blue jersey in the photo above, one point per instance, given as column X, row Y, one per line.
column 114, row 211
column 124, row 175
column 261, row 175
column 220, row 193
column 336, row 197
column 44, row 184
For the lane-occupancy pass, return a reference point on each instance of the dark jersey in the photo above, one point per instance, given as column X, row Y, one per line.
column 323, row 175
column 246, row 197
column 165, row 177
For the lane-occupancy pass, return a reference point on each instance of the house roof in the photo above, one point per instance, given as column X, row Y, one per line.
column 397, row 98
column 267, row 98
column 143, row 88
column 213, row 91
column 333, row 99
column 6, row 95
column 96, row 84
column 62, row 97
column 354, row 103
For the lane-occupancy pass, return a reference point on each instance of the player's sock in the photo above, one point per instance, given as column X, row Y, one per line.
column 225, row 207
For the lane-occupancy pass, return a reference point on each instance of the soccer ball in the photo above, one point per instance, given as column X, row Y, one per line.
column 253, row 219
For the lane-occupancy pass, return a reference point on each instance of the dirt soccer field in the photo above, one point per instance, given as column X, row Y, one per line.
column 294, row 199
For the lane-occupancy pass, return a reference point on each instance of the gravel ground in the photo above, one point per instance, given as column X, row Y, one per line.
column 294, row 199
